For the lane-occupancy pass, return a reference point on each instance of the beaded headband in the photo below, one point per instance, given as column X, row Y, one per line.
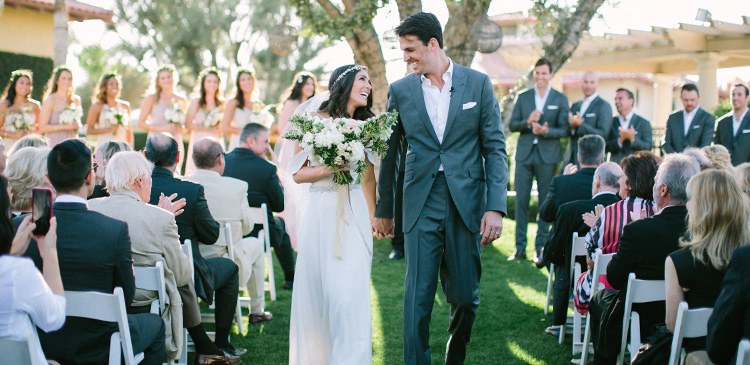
column 350, row 69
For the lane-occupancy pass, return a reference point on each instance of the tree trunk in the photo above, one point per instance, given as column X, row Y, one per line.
column 461, row 36
column 408, row 7
column 367, row 51
column 60, row 34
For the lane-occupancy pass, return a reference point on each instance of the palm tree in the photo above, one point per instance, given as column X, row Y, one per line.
column 60, row 34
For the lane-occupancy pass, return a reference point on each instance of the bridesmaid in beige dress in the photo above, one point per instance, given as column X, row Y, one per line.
column 244, row 108
column 61, row 96
column 101, row 121
column 154, row 106
column 205, row 113
column 17, row 98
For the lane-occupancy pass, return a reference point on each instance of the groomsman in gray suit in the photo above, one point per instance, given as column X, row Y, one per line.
column 733, row 130
column 690, row 127
column 592, row 115
column 630, row 132
column 541, row 115
column 455, row 182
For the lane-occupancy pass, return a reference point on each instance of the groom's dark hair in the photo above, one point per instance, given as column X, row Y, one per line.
column 424, row 26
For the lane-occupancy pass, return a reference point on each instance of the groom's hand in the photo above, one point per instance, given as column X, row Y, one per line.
column 492, row 226
column 382, row 227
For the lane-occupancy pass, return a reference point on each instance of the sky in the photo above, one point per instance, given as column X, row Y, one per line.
column 616, row 17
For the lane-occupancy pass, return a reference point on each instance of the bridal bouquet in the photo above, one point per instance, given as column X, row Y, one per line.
column 175, row 115
column 334, row 142
column 212, row 119
column 71, row 115
column 20, row 121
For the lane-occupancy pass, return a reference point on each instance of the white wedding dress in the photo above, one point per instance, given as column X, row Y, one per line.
column 330, row 318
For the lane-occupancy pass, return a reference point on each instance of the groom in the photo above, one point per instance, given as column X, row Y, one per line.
column 454, row 184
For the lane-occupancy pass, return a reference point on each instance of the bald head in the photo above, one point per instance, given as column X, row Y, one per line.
column 606, row 178
column 589, row 83
column 162, row 150
column 207, row 154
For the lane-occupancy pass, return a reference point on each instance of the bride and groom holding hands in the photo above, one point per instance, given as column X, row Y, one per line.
column 455, row 181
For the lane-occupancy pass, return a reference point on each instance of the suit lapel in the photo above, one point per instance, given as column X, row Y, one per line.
column 681, row 126
column 417, row 97
column 459, row 83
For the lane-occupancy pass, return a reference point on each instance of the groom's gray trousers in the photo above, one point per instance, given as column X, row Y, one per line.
column 440, row 241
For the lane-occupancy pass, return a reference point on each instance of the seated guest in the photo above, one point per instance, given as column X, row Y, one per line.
column 730, row 321
column 29, row 140
column 94, row 255
column 247, row 163
column 154, row 238
column 644, row 246
column 699, row 156
column 214, row 277
column 569, row 219
column 719, row 156
column 102, row 154
column 223, row 194
column 29, row 297
column 636, row 188
column 717, row 224
column 27, row 169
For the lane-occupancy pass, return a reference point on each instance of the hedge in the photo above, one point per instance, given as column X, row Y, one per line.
column 40, row 66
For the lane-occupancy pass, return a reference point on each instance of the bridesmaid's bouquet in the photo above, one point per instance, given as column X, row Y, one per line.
column 260, row 114
column 175, row 115
column 334, row 142
column 213, row 118
column 23, row 120
column 71, row 116
column 117, row 116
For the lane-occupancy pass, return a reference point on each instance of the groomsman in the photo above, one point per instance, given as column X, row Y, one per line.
column 592, row 115
column 630, row 132
column 541, row 115
column 690, row 127
column 733, row 131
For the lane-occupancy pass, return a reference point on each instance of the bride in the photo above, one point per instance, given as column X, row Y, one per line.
column 331, row 321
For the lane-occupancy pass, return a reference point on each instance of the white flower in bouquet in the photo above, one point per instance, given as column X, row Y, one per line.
column 70, row 116
column 175, row 115
column 213, row 118
column 22, row 120
column 121, row 116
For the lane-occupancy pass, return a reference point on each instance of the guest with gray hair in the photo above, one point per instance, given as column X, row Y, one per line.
column 29, row 140
column 27, row 169
column 102, row 154
column 699, row 156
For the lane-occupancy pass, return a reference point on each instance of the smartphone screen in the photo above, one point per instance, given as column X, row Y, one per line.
column 42, row 210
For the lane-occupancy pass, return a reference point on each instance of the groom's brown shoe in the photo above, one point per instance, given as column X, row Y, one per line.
column 260, row 318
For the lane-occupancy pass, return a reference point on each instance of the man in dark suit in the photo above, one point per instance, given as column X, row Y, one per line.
column 541, row 115
column 630, row 132
column 733, row 130
column 94, row 255
column 215, row 277
column 644, row 246
column 690, row 127
column 592, row 115
column 247, row 163
column 730, row 321
column 568, row 220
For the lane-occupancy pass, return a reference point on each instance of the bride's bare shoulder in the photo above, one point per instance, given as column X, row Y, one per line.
column 320, row 114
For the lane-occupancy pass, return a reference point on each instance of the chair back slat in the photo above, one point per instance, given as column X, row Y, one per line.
column 15, row 351
column 690, row 323
column 743, row 352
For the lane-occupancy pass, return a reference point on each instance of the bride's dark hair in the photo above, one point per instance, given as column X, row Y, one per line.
column 335, row 106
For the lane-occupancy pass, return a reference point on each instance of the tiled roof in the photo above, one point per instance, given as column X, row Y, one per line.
column 76, row 10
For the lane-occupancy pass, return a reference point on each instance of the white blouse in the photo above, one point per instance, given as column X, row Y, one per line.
column 26, row 302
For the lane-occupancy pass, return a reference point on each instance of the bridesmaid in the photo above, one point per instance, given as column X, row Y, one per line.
column 154, row 106
column 16, row 100
column 61, row 96
column 243, row 108
column 205, row 113
column 101, row 120
column 303, row 88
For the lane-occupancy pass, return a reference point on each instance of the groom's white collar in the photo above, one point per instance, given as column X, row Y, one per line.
column 447, row 75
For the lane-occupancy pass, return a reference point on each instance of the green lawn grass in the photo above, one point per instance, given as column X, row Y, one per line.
column 508, row 329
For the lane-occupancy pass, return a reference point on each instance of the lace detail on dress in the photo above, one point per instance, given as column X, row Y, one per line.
column 329, row 188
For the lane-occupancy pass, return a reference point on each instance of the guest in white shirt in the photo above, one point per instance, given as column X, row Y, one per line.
column 28, row 298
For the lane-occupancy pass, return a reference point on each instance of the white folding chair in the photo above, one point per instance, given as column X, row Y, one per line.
column 743, row 352
column 577, row 248
column 152, row 278
column 107, row 308
column 638, row 291
column 15, row 351
column 187, row 342
column 600, row 268
column 691, row 323
column 261, row 215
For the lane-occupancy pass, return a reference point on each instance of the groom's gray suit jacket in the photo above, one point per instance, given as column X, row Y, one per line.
column 472, row 153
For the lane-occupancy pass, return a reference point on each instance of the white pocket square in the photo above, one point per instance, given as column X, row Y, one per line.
column 745, row 131
column 469, row 105
column 591, row 114
column 696, row 126
column 552, row 107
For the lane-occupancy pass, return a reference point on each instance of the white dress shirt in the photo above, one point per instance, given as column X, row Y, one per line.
column 587, row 102
column 438, row 101
column 736, row 122
column 69, row 198
column 540, row 100
column 625, row 122
column 26, row 302
column 688, row 118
